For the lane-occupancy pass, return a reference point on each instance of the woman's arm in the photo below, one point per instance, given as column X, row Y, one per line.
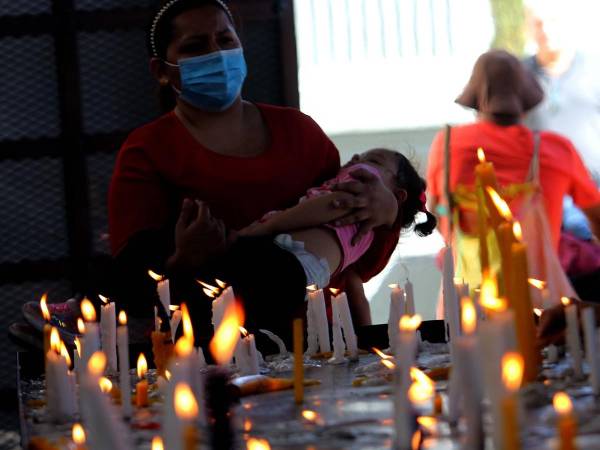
column 309, row 213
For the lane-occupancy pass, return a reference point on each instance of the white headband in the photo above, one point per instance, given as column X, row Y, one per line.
column 165, row 8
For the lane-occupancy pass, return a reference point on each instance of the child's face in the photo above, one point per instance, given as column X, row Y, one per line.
column 385, row 161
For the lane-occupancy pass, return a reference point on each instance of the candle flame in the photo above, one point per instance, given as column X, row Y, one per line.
column 538, row 284
column 381, row 354
column 334, row 291
column 409, row 323
column 387, row 363
column 168, row 375
column 65, row 353
column 512, row 370
column 247, row 425
column 88, row 311
column 309, row 415
column 468, row 315
column 184, row 347
column 480, row 155
column 488, row 297
column 562, row 403
column 122, row 318
column 155, row 276
column 105, row 385
column 207, row 286
column 103, row 298
column 227, row 334
column 422, row 388
column 566, row 301
column 221, row 284
column 416, row 440
column 428, row 423
column 186, row 406
column 78, row 346
column 142, row 366
column 80, row 325
column 518, row 231
column 394, row 286
column 44, row 307
column 157, row 443
column 55, row 340
column 244, row 332
column 173, row 307
column 188, row 330
column 538, row 312
column 312, row 288
column 500, row 203
column 78, row 434
column 209, row 293
column 258, row 444
column 97, row 363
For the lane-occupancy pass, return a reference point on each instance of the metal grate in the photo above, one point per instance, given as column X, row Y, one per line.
column 29, row 106
column 33, row 212
column 100, row 167
column 94, row 5
column 263, row 55
column 15, row 8
column 117, row 88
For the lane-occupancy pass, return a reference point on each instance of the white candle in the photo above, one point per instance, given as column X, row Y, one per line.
column 164, row 293
column 589, row 330
column 347, row 325
column 339, row 348
column 405, row 358
column 451, row 309
column 394, row 314
column 409, row 292
column 246, row 354
column 108, row 325
column 90, row 340
column 174, row 323
column 220, row 304
column 573, row 339
column 77, row 364
column 60, row 383
column 312, row 340
column 124, row 376
column 320, row 318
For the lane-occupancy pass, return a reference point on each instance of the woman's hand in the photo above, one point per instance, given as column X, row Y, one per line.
column 372, row 204
column 198, row 236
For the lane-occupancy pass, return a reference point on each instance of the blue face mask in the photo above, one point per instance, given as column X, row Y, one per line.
column 212, row 82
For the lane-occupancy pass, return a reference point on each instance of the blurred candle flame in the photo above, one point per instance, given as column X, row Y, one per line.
column 105, row 385
column 312, row 288
column 244, row 332
column 78, row 346
column 184, row 347
column 381, row 354
column 188, row 330
column 538, row 284
column 562, row 403
column 88, row 311
column 468, row 315
column 78, row 434
column 55, row 340
column 157, row 443
column 566, row 301
column 258, row 444
column 334, row 291
column 227, row 334
column 122, row 318
column 155, row 276
column 221, row 284
column 538, row 312
column 422, row 388
column 97, row 363
column 518, row 231
column 480, row 155
column 387, row 363
column 65, row 353
column 409, row 323
column 428, row 423
column 416, row 440
column 394, row 286
column 80, row 325
column 44, row 307
column 512, row 370
column 500, row 203
column 309, row 415
column 186, row 406
column 173, row 307
column 142, row 366
column 103, row 298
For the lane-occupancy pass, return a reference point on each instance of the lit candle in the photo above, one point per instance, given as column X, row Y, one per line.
column 316, row 302
column 157, row 443
column 405, row 358
column 486, row 177
column 162, row 288
column 520, row 302
column 482, row 229
column 451, row 309
column 60, row 385
column 124, row 378
column 567, row 426
column 186, row 409
column 467, row 366
column 108, row 327
column 512, row 376
column 258, row 444
column 247, row 354
column 573, row 338
column 394, row 314
column 591, row 349
column 312, row 339
column 504, row 236
column 409, row 294
column 298, row 361
column 141, row 388
column 339, row 347
column 91, row 334
column 47, row 317
column 175, row 321
column 78, row 434
column 346, row 322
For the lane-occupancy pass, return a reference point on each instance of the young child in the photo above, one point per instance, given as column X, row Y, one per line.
column 325, row 250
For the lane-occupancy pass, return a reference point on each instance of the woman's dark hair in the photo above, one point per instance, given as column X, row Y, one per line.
column 160, row 33
column 415, row 187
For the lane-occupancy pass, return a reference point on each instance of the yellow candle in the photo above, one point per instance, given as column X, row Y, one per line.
column 505, row 239
column 567, row 426
column 521, row 305
column 298, row 361
column 486, row 177
column 482, row 231
column 141, row 388
column 512, row 376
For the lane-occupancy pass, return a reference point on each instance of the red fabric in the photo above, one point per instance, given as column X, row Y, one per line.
column 510, row 149
column 161, row 163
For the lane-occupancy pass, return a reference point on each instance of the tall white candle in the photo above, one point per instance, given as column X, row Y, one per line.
column 339, row 348
column 108, row 326
column 124, row 375
column 394, row 314
column 451, row 309
column 90, row 340
column 174, row 323
column 312, row 339
column 573, row 338
column 246, row 355
column 591, row 353
column 347, row 325
column 409, row 292
column 60, row 386
column 317, row 300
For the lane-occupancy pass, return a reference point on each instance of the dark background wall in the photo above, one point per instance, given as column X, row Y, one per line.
column 74, row 81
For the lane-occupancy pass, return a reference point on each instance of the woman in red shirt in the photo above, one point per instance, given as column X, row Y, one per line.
column 240, row 159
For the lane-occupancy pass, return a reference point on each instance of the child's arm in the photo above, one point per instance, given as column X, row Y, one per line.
column 311, row 212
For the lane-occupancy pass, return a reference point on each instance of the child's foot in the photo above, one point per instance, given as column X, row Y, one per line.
column 63, row 316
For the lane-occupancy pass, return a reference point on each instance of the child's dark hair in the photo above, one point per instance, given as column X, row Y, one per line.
column 415, row 187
